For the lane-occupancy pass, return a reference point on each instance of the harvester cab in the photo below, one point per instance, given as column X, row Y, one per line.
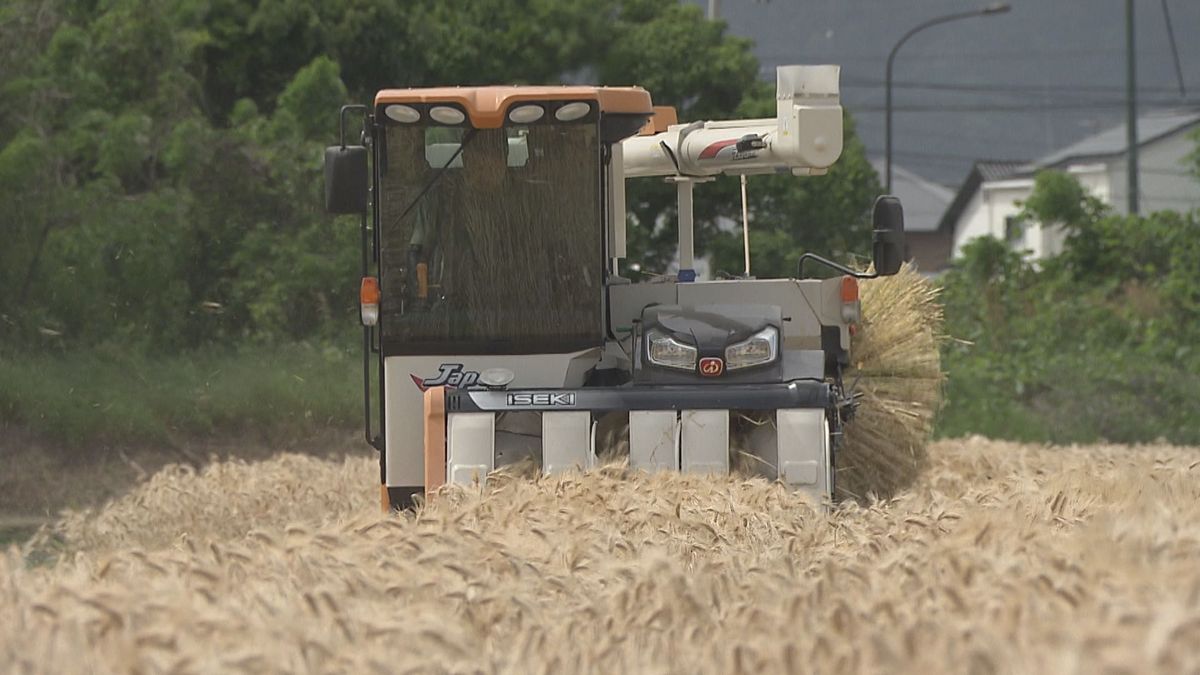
column 498, row 328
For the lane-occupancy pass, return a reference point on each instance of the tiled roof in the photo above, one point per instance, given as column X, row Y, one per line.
column 991, row 169
column 1151, row 127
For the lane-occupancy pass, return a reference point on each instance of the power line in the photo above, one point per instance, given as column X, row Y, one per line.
column 1030, row 143
column 1023, row 54
column 1000, row 88
column 1027, row 108
column 949, row 162
column 921, row 153
column 950, row 159
column 1174, row 48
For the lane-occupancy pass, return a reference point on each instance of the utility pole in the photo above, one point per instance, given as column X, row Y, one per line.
column 1131, row 112
column 714, row 10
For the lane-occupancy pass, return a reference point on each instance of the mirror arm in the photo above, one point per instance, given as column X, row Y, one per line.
column 829, row 263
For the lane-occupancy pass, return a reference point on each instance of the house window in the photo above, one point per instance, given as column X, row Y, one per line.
column 1014, row 230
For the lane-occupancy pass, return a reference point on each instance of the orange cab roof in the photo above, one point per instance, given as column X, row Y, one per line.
column 486, row 105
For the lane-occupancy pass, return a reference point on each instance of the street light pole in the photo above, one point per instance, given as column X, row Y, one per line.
column 999, row 8
column 1131, row 122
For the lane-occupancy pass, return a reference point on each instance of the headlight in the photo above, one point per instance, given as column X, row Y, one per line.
column 668, row 352
column 759, row 349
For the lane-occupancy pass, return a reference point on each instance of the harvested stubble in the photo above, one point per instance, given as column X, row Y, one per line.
column 1000, row 559
column 896, row 369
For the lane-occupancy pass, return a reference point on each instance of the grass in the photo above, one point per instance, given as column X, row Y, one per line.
column 110, row 395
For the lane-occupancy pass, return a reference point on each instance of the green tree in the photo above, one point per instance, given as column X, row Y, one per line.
column 294, row 270
column 253, row 49
column 159, row 162
column 1104, row 248
column 1095, row 343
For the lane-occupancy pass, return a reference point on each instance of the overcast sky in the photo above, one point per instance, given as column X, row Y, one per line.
column 1011, row 86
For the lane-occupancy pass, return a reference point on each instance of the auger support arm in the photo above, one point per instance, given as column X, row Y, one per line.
column 805, row 138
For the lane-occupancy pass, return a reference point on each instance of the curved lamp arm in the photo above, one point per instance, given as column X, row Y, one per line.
column 998, row 8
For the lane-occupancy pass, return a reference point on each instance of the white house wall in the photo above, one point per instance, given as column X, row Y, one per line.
column 985, row 213
column 1043, row 241
column 1095, row 179
column 1165, row 183
column 1164, row 180
column 973, row 223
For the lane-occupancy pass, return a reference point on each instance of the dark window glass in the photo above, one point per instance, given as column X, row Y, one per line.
column 505, row 245
column 1014, row 230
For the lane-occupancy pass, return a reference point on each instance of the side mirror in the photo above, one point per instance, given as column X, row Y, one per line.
column 887, row 248
column 346, row 179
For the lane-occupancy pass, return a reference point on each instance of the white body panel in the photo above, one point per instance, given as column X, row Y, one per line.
column 403, row 418
column 470, row 447
column 794, row 449
column 688, row 440
column 804, row 138
column 566, row 441
column 616, row 203
column 654, row 440
column 803, row 447
column 704, row 441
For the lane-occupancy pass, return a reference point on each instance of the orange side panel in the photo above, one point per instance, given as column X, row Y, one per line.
column 435, row 439
column 624, row 99
column 664, row 116
column 385, row 504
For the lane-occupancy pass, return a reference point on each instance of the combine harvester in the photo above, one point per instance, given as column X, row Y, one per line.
column 496, row 317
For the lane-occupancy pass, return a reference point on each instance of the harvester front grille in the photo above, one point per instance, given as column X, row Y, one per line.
column 699, row 429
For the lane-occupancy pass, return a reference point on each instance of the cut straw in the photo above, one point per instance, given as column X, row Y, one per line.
column 896, row 367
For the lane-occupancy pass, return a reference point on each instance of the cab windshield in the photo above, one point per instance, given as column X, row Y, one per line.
column 490, row 238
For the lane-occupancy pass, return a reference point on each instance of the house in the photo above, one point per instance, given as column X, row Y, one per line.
column 989, row 201
column 927, row 244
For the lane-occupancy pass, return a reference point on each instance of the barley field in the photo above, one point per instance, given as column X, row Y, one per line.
column 1002, row 558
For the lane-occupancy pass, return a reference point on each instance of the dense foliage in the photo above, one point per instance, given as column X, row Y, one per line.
column 1101, row 341
column 159, row 161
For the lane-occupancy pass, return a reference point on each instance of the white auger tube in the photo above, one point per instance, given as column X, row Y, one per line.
column 804, row 138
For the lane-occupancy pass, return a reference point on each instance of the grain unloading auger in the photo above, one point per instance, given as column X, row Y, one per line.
column 499, row 326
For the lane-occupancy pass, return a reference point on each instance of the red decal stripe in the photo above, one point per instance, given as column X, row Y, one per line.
column 713, row 148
